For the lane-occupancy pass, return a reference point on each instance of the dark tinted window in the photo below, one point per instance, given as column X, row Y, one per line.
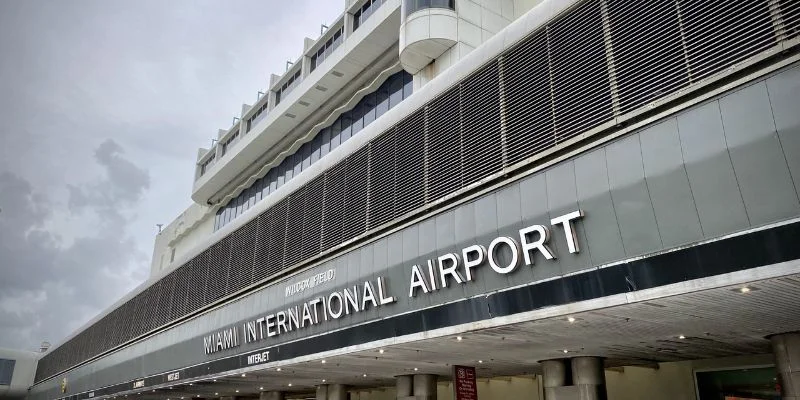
column 6, row 371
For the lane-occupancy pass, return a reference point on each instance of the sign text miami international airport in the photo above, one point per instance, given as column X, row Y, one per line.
column 437, row 274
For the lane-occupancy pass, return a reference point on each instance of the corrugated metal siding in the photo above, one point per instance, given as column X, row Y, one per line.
column 600, row 60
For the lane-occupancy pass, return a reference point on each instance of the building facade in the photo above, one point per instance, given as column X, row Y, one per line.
column 545, row 200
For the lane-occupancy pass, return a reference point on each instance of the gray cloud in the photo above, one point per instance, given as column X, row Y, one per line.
column 103, row 105
column 49, row 286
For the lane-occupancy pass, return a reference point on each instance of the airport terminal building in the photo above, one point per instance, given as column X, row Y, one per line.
column 493, row 199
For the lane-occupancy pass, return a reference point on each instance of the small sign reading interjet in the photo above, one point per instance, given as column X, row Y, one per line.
column 222, row 340
column 258, row 358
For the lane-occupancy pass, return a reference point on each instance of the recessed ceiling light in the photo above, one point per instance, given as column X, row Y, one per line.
column 243, row 375
column 681, row 337
column 215, row 380
column 278, row 369
column 416, row 369
column 216, row 394
column 290, row 385
column 324, row 380
column 565, row 351
column 365, row 375
column 323, row 361
column 571, row 319
column 237, row 390
column 381, row 351
column 745, row 290
column 261, row 388
column 480, row 361
column 191, row 384
column 459, row 338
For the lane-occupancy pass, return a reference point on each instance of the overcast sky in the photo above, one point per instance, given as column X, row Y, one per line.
column 103, row 104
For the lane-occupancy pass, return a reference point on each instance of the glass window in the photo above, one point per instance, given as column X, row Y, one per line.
column 6, row 371
column 369, row 108
column 408, row 85
column 347, row 123
column 746, row 383
column 316, row 146
column 297, row 160
column 226, row 215
column 382, row 100
column 336, row 133
column 253, row 192
column 273, row 181
column 245, row 200
column 358, row 117
column 395, row 90
column 325, row 142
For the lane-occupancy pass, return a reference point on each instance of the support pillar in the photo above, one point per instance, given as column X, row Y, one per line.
column 786, row 348
column 579, row 378
column 271, row 396
column 332, row 392
column 416, row 387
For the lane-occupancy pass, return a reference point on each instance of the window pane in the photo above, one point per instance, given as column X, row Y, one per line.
column 395, row 90
column 273, row 180
column 408, row 85
column 369, row 108
column 316, row 147
column 297, row 162
column 347, row 123
column 382, row 99
column 358, row 117
column 325, row 142
column 306, row 152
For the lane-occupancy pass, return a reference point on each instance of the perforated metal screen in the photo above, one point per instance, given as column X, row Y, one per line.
column 599, row 60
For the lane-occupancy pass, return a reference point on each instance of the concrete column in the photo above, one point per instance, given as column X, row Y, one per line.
column 579, row 378
column 332, row 392
column 416, row 387
column 786, row 348
column 271, row 396
column 405, row 386
column 590, row 378
column 322, row 392
column 337, row 392
column 425, row 387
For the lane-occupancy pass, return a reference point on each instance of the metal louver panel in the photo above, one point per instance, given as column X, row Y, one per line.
column 410, row 163
column 648, row 53
column 719, row 33
column 482, row 151
column 582, row 95
column 789, row 10
column 243, row 245
column 382, row 182
column 600, row 59
column 277, row 235
column 443, row 145
column 262, row 268
column 179, row 295
column 294, row 227
column 528, row 101
column 219, row 263
column 161, row 312
column 333, row 210
column 199, row 276
column 312, row 217
column 355, row 195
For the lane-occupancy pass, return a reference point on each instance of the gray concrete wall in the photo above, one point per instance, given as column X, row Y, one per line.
column 721, row 167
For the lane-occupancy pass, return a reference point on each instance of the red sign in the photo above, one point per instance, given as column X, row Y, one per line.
column 464, row 385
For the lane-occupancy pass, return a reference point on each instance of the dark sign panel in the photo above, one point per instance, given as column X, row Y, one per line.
column 464, row 385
